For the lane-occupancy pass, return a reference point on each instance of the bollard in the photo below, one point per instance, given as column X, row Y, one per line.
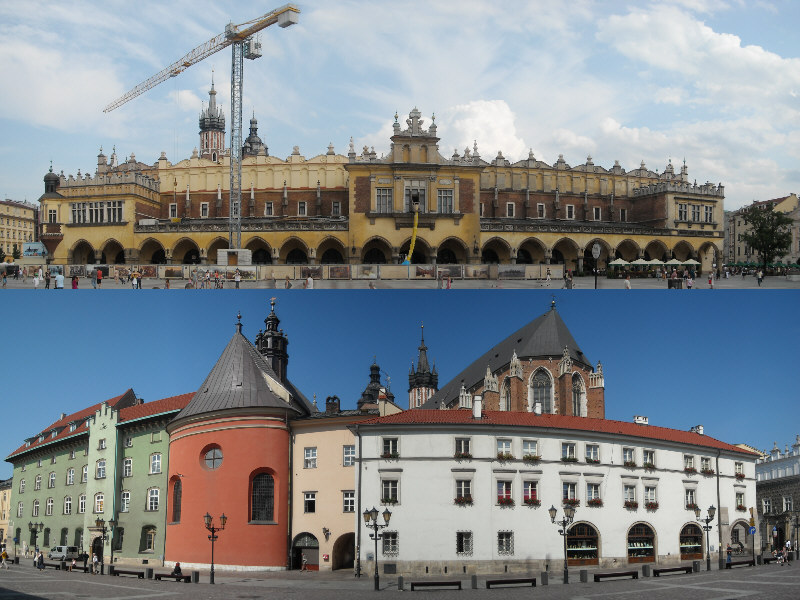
column 400, row 583
column 474, row 580
column 148, row 573
column 16, row 560
column 584, row 576
column 195, row 576
column 645, row 570
column 695, row 566
column 102, row 568
column 63, row 565
column 110, row 569
column 544, row 577
column 759, row 560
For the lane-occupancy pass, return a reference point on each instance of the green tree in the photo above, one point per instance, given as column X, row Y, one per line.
column 15, row 253
column 769, row 232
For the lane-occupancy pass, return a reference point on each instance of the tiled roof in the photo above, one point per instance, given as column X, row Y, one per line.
column 78, row 417
column 564, row 422
column 147, row 409
column 546, row 336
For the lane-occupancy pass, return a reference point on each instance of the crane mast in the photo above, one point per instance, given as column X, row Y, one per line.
column 244, row 45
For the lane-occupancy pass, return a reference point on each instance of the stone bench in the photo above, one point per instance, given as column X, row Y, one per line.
column 600, row 576
column 438, row 584
column 531, row 581
column 658, row 572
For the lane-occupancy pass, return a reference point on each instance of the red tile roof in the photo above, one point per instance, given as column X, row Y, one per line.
column 148, row 409
column 525, row 419
column 77, row 417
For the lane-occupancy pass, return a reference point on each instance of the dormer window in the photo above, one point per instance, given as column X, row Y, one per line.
column 41, row 438
column 54, row 434
column 72, row 427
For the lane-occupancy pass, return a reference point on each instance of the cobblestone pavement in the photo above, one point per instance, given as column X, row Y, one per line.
column 770, row 581
column 581, row 283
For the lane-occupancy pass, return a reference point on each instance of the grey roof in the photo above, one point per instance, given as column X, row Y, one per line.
column 239, row 380
column 544, row 337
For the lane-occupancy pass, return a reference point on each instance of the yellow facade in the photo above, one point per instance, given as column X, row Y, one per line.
column 17, row 226
column 739, row 252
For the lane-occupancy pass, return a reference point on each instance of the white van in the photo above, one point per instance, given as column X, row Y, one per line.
column 63, row 553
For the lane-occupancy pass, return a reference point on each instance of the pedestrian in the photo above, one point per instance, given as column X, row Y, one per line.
column 166, row 284
column 72, row 565
column 116, row 276
column 24, row 274
column 440, row 280
column 95, row 564
column 689, row 283
column 272, row 280
column 177, row 570
column 287, row 284
column 711, row 280
column 59, row 280
column 547, row 277
column 628, row 282
column 99, row 277
column 3, row 559
column 304, row 560
column 47, row 277
column 449, row 282
column 4, row 279
column 74, row 282
column 760, row 277
column 85, row 558
column 728, row 551
column 237, row 278
column 36, row 281
column 93, row 279
column 309, row 282
column 40, row 561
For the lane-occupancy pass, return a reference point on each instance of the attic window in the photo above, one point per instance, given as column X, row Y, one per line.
column 41, row 438
column 27, row 443
column 72, row 426
column 54, row 434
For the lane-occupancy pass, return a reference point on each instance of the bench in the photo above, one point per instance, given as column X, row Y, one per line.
column 599, row 576
column 417, row 584
column 522, row 581
column 56, row 566
column 740, row 563
column 139, row 574
column 185, row 578
column 78, row 567
column 769, row 559
column 658, row 572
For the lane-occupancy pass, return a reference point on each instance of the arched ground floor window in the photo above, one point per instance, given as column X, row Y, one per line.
column 305, row 544
column 691, row 542
column 641, row 544
column 583, row 545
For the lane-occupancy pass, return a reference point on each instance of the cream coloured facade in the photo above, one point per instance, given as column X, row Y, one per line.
column 5, row 512
column 17, row 226
column 739, row 252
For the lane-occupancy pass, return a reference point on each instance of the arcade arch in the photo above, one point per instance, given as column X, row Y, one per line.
column 376, row 251
column 627, row 250
column 113, row 253
column 656, row 250
column 494, row 251
column 294, row 252
column 452, row 251
column 565, row 251
column 531, row 252
column 211, row 252
column 152, row 252
column 186, row 252
column 261, row 252
column 331, row 252
column 422, row 251
column 589, row 262
column 683, row 250
column 82, row 253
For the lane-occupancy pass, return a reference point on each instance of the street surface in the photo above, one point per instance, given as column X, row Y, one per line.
column 774, row 582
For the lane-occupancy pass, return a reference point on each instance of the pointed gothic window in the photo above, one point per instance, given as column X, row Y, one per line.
column 542, row 391
column 262, row 502
column 177, row 492
column 505, row 395
column 577, row 396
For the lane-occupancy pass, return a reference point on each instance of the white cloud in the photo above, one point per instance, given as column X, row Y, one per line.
column 186, row 100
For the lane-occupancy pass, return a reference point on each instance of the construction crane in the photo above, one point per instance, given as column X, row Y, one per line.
column 244, row 45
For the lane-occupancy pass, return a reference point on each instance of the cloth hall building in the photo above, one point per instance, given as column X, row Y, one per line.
column 357, row 209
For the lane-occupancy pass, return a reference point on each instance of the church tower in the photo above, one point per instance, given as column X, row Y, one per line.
column 423, row 382
column 253, row 146
column 273, row 344
column 212, row 128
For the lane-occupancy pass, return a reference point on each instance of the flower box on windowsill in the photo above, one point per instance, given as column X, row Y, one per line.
column 531, row 458
column 708, row 471
column 631, row 504
column 649, row 465
column 505, row 456
column 691, row 506
column 462, row 456
column 629, row 463
column 503, row 501
column 389, row 501
column 571, row 502
column 594, row 502
column 390, row 455
column 740, row 476
column 689, row 470
column 463, row 500
column 569, row 459
column 532, row 502
column 741, row 507
column 651, row 505
column 592, row 461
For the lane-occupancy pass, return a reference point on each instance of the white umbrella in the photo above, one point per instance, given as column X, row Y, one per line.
column 640, row 261
column 674, row 261
column 656, row 263
column 691, row 261
column 618, row 262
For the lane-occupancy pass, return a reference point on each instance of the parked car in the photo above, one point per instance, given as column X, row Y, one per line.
column 63, row 553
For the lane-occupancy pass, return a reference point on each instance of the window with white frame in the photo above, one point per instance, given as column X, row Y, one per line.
column 72, row 452
column 510, row 210
column 100, row 471
column 310, row 458
column 569, row 490
column 570, row 211
column 464, row 543
column 383, row 200
column 348, row 501
column 99, row 502
column 84, row 473
column 444, row 201
column 649, row 459
column 127, row 467
column 125, row 501
column 389, row 491
column 37, row 484
column 739, row 468
column 390, row 448
column 51, row 480
column 309, row 502
column 22, row 486
column 173, row 211
column 504, row 491
column 203, row 210
column 301, row 209
column 150, row 540
column 766, row 505
column 348, row 455
column 35, row 511
column 530, row 490
column 691, row 498
column 530, row 448
column 597, row 213
column 391, row 545
column 540, row 211
column 740, row 500
column 505, row 542
column 503, row 446
column 82, row 504
column 787, row 503
column 464, row 489
column 705, row 464
column 462, row 447
column 268, row 210
column 682, row 213
column 568, row 450
column 629, row 493
column 650, row 493
column 709, row 214
column 628, row 456
column 592, row 491
column 688, row 461
column 152, row 499
column 102, row 444
column 155, row 463
column 593, row 453
column 48, row 507
column 20, row 509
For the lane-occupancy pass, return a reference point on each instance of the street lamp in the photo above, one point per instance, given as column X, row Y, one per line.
column 35, row 528
column 712, row 511
column 209, row 520
column 371, row 521
column 101, row 525
column 796, row 525
column 569, row 516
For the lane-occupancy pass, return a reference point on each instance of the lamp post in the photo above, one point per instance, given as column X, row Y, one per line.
column 566, row 521
column 712, row 511
column 35, row 528
column 101, row 525
column 209, row 520
column 796, row 525
column 371, row 521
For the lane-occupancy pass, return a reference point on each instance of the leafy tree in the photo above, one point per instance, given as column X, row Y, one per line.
column 15, row 253
column 769, row 232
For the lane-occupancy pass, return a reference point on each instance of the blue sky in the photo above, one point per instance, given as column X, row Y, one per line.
column 716, row 82
column 725, row 360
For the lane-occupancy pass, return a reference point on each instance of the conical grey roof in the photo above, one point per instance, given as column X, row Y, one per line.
column 241, row 378
column 544, row 337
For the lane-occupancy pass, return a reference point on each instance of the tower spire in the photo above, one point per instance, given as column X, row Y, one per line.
column 423, row 381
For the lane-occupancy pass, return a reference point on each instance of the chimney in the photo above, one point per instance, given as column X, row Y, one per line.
column 63, row 416
column 697, row 429
column 477, row 401
column 332, row 405
column 640, row 420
